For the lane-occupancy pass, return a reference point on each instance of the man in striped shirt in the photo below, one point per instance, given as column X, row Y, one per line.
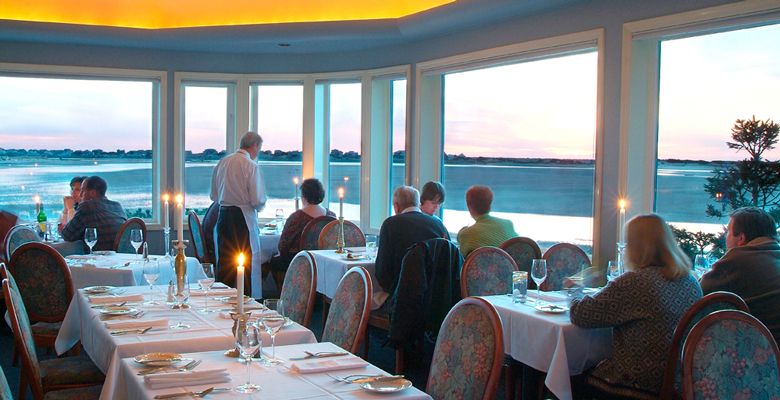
column 487, row 230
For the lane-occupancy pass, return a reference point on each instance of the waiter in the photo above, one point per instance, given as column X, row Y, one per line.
column 237, row 186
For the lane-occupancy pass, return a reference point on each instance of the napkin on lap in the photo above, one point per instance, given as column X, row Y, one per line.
column 315, row 365
column 145, row 323
column 115, row 299
column 187, row 378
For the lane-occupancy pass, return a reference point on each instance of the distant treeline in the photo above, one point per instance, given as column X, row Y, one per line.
column 295, row 155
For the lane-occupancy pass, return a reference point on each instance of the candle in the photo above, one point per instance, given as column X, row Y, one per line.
column 37, row 200
column 179, row 217
column 295, row 181
column 240, row 283
column 622, row 205
column 166, row 210
column 341, row 202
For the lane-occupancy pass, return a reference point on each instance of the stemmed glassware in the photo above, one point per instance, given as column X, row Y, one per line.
column 279, row 219
column 538, row 274
column 206, row 283
column 151, row 273
column 272, row 324
column 248, row 341
column 181, row 302
column 90, row 238
column 613, row 270
column 700, row 265
column 136, row 239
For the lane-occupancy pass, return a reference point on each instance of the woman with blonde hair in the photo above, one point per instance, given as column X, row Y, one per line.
column 643, row 307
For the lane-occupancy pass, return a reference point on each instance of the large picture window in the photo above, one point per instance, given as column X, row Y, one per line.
column 398, row 170
column 345, row 147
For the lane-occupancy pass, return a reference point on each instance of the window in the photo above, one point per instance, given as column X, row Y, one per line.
column 527, row 131
column 345, row 109
column 398, row 170
column 56, row 128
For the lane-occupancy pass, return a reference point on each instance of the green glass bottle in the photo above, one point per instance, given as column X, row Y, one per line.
column 42, row 221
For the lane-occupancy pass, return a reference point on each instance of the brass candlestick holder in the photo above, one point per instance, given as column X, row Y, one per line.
column 180, row 265
column 340, row 241
column 239, row 322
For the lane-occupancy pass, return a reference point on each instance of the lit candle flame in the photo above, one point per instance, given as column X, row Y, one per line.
column 295, row 180
column 37, row 199
column 341, row 192
column 346, row 179
column 166, row 197
column 179, row 199
column 240, row 259
column 622, row 204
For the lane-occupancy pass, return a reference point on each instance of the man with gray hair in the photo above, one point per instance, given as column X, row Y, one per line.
column 399, row 232
column 751, row 266
column 237, row 186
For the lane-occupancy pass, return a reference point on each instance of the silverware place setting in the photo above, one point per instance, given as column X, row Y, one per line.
column 139, row 331
column 361, row 378
column 188, row 367
column 201, row 394
column 321, row 354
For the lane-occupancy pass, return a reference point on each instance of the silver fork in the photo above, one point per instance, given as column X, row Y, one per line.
column 189, row 367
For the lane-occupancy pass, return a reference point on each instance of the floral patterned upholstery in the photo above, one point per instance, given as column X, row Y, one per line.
column 469, row 352
column 196, row 236
column 122, row 241
column 299, row 287
column 563, row 261
column 70, row 371
column 83, row 393
column 487, row 271
column 5, row 388
column 310, row 235
column 329, row 237
column 19, row 235
column 44, row 281
column 21, row 327
column 731, row 355
column 349, row 309
column 523, row 250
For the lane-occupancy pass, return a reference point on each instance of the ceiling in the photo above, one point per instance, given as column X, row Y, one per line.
column 305, row 37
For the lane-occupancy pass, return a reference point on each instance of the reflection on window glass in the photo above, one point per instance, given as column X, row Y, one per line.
column 205, row 130
column 527, row 131
column 399, row 134
column 55, row 129
column 345, row 148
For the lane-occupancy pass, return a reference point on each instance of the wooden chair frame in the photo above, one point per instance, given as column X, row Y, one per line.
column 312, row 289
column 334, row 225
column 125, row 225
column 312, row 225
column 9, row 235
column 558, row 247
column 467, row 265
column 361, row 332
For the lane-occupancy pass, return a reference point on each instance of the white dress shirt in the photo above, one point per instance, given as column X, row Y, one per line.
column 237, row 181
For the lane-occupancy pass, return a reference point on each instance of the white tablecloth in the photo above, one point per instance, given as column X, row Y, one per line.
column 276, row 382
column 208, row 332
column 269, row 247
column 331, row 267
column 120, row 269
column 550, row 342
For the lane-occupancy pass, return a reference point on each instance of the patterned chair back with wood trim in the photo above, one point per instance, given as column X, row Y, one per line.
column 487, row 271
column 299, row 288
column 523, row 250
column 44, row 281
column 310, row 235
column 196, row 237
column 715, row 301
column 469, row 352
column 730, row 354
column 5, row 388
column 348, row 316
column 20, row 323
column 17, row 236
column 563, row 261
column 329, row 237
column 122, row 240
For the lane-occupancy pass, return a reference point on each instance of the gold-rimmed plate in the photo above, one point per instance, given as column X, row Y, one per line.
column 98, row 289
column 386, row 384
column 158, row 359
column 118, row 310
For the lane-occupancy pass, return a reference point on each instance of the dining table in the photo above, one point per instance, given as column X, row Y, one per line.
column 122, row 269
column 91, row 320
column 332, row 266
column 291, row 380
column 541, row 336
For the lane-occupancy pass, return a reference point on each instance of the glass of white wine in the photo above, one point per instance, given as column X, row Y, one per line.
column 90, row 238
column 206, row 284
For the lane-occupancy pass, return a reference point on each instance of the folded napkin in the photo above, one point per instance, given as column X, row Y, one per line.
column 255, row 314
column 136, row 323
column 115, row 299
column 186, row 378
column 549, row 296
column 214, row 292
column 327, row 364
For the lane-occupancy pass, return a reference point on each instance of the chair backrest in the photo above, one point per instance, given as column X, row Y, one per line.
column 44, row 281
column 122, row 240
column 469, row 352
column 329, row 237
column 23, row 335
column 487, row 271
column 5, row 388
column 310, row 235
column 196, row 237
column 348, row 316
column 715, row 301
column 730, row 354
column 299, row 288
column 523, row 250
column 563, row 261
column 17, row 236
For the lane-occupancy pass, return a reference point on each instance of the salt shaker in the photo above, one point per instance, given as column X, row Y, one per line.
column 170, row 299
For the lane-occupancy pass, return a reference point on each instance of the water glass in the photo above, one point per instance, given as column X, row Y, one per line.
column 151, row 271
column 279, row 219
column 272, row 324
column 181, row 303
column 538, row 274
column 613, row 270
column 519, row 286
column 136, row 239
column 90, row 237
column 700, row 265
column 248, row 341
column 371, row 248
column 206, row 283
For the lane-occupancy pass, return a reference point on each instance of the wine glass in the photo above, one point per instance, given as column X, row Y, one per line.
column 248, row 341
column 700, row 265
column 151, row 272
column 538, row 274
column 272, row 324
column 613, row 270
column 279, row 218
column 206, row 283
column 136, row 239
column 181, row 303
column 90, row 237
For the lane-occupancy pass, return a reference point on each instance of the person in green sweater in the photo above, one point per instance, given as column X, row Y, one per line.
column 487, row 230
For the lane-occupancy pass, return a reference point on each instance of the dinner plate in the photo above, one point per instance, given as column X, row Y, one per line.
column 388, row 384
column 158, row 359
column 234, row 299
column 552, row 308
column 354, row 257
column 104, row 252
column 118, row 310
column 98, row 289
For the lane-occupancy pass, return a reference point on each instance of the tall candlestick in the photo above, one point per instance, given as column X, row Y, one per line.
column 166, row 210
column 295, row 181
column 180, row 218
column 622, row 204
column 240, row 284
column 341, row 202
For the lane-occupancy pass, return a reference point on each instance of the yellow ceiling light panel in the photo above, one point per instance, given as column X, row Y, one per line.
column 162, row 14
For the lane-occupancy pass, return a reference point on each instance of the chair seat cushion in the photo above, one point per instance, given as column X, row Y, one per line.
column 70, row 371
column 46, row 328
column 85, row 393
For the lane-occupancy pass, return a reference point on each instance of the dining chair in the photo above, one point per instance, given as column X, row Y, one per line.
column 17, row 236
column 487, row 271
column 523, row 250
column 468, row 354
column 196, row 238
column 715, row 301
column 5, row 388
column 348, row 316
column 563, row 261
column 329, row 237
column 730, row 354
column 310, row 235
column 300, row 288
column 122, row 240
column 70, row 377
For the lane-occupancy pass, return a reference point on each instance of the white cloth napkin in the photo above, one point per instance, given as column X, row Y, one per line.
column 115, row 299
column 255, row 314
column 327, row 364
column 549, row 296
column 186, row 378
column 214, row 292
column 142, row 323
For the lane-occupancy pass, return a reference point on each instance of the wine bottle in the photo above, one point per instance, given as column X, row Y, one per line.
column 41, row 221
